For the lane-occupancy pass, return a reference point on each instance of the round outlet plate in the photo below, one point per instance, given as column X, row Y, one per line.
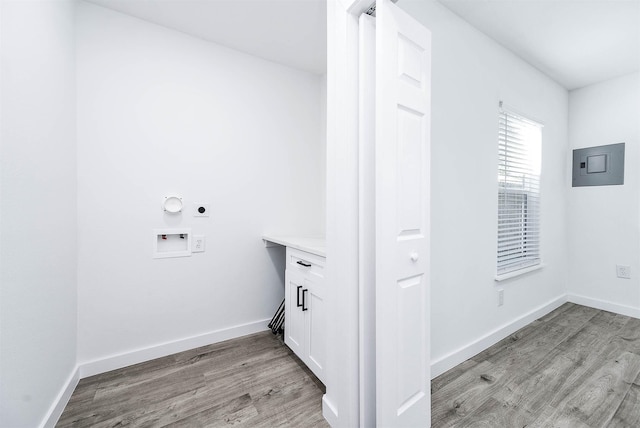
column 172, row 204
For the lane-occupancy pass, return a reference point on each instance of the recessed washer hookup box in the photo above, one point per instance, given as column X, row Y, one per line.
column 599, row 166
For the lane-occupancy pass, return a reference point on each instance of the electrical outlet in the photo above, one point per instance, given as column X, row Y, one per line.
column 500, row 297
column 197, row 244
column 201, row 209
column 623, row 271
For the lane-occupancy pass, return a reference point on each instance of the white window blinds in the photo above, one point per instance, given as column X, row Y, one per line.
column 519, row 155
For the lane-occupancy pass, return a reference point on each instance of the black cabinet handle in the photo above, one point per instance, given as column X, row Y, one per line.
column 298, row 304
column 301, row 263
column 304, row 293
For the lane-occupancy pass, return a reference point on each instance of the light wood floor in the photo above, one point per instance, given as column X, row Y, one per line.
column 253, row 381
column 576, row 367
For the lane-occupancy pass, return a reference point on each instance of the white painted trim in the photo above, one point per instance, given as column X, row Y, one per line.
column 114, row 362
column 342, row 369
column 516, row 273
column 605, row 305
column 453, row 359
column 366, row 221
column 55, row 411
column 329, row 411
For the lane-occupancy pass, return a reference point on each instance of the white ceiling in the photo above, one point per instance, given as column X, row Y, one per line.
column 575, row 42
column 290, row 32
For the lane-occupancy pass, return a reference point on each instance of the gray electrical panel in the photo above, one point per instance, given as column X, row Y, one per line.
column 599, row 166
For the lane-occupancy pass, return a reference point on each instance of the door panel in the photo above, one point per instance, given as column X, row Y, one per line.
column 412, row 370
column 294, row 328
column 409, row 188
column 403, row 54
column 316, row 328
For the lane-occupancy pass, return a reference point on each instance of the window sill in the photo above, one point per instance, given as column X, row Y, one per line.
column 518, row 272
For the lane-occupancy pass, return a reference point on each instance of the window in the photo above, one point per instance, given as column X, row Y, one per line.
column 519, row 155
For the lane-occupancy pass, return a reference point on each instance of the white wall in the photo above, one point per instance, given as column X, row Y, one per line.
column 162, row 112
column 37, row 209
column 471, row 73
column 603, row 221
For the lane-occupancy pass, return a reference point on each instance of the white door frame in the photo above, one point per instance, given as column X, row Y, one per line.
column 341, row 403
column 367, row 218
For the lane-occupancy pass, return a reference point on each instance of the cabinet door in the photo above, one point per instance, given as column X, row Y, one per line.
column 315, row 327
column 294, row 321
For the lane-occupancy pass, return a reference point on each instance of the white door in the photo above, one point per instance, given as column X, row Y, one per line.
column 403, row 64
column 294, row 328
column 316, row 331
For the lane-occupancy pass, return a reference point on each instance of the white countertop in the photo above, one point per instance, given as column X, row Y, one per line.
column 313, row 245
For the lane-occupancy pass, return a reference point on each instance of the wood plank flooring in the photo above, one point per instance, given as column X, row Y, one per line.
column 253, row 381
column 576, row 367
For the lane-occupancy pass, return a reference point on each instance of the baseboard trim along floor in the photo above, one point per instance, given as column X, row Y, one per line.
column 103, row 365
column 604, row 305
column 157, row 351
column 453, row 359
column 438, row 367
column 61, row 401
column 254, row 380
column 574, row 367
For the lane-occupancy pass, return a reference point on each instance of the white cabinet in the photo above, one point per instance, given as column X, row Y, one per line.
column 305, row 331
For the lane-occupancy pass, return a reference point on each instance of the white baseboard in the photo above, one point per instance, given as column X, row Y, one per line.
column 126, row 359
column 141, row 355
column 329, row 411
column 61, row 400
column 604, row 305
column 453, row 359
